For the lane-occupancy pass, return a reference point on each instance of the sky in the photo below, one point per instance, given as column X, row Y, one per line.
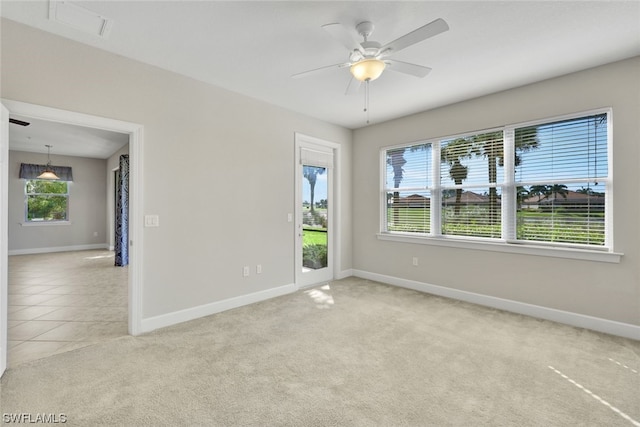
column 320, row 191
column 566, row 149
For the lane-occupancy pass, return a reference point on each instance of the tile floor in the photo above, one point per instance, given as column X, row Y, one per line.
column 63, row 301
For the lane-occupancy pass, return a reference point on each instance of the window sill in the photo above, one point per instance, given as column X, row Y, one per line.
column 555, row 252
column 44, row 223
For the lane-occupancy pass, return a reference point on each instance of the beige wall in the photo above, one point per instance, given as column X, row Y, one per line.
column 218, row 166
column 604, row 290
column 219, row 172
column 87, row 206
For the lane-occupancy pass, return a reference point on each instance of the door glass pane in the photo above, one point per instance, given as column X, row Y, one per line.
column 314, row 217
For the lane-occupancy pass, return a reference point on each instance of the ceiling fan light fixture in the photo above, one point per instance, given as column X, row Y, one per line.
column 367, row 69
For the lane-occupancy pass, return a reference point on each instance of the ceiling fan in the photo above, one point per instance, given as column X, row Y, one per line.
column 368, row 59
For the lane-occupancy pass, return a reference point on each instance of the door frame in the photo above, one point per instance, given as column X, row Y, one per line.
column 136, row 141
column 4, row 234
column 334, row 233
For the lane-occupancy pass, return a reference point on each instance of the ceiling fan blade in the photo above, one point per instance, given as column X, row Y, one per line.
column 344, row 35
column 431, row 29
column 18, row 122
column 353, row 86
column 407, row 68
column 319, row 70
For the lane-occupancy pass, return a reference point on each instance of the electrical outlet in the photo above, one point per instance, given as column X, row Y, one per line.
column 245, row 271
column 259, row 269
column 415, row 261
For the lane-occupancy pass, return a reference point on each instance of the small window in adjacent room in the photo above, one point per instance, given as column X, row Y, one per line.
column 46, row 201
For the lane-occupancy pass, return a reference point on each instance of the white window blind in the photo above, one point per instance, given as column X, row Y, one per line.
column 407, row 188
column 471, row 172
column 563, row 179
column 545, row 182
column 316, row 158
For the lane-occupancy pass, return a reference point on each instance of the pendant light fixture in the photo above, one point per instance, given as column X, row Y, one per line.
column 48, row 170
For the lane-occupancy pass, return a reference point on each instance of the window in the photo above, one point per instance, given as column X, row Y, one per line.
column 46, row 201
column 471, row 174
column 561, row 177
column 408, row 188
column 542, row 183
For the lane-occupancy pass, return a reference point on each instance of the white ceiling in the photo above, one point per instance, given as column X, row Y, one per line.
column 254, row 47
column 65, row 139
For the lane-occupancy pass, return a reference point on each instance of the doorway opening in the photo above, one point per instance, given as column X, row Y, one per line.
column 133, row 272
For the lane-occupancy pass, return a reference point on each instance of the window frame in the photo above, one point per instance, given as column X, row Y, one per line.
column 30, row 222
column 508, row 208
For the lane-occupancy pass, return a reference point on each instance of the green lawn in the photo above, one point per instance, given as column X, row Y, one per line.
column 314, row 237
column 560, row 226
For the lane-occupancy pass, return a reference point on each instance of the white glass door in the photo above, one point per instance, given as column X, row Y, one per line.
column 314, row 214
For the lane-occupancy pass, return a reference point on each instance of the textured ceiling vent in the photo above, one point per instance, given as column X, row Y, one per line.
column 80, row 18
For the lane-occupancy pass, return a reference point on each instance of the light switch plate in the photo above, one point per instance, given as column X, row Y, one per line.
column 151, row 221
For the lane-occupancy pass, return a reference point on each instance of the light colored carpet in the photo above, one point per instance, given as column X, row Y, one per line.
column 352, row 353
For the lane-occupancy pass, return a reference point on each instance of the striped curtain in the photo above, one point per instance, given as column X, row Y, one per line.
column 122, row 214
column 31, row 171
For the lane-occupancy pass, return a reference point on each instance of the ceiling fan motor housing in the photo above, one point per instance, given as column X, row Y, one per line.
column 365, row 29
column 371, row 49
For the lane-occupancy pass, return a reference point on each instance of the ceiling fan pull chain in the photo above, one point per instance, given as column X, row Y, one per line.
column 366, row 99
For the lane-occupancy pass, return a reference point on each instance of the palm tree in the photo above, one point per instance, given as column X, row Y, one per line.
column 542, row 191
column 491, row 145
column 589, row 191
column 311, row 173
column 585, row 190
column 559, row 189
column 452, row 154
column 521, row 194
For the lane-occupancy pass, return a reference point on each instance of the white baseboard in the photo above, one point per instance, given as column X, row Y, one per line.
column 169, row 319
column 57, row 249
column 344, row 274
column 574, row 319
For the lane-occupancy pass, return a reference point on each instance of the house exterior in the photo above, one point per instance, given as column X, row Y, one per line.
column 571, row 200
column 469, row 198
column 419, row 201
column 413, row 201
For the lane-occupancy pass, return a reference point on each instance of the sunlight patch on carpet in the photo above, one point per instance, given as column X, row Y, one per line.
column 322, row 299
column 624, row 366
column 598, row 398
